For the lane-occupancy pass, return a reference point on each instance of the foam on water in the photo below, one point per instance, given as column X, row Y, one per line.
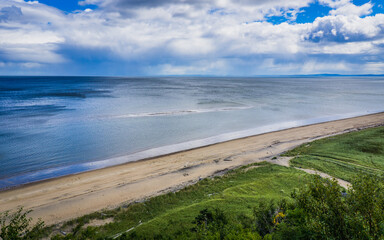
column 174, row 113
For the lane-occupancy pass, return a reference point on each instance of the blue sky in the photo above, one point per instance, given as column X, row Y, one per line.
column 191, row 37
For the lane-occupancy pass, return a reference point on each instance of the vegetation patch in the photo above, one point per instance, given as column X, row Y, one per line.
column 171, row 215
column 345, row 155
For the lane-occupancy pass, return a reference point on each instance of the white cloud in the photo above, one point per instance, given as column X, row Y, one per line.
column 190, row 37
column 335, row 3
column 26, row 34
column 316, row 67
column 350, row 48
column 22, row 65
column 204, row 67
column 374, row 67
column 351, row 9
column 10, row 13
column 37, row 54
column 347, row 8
column 192, row 46
column 31, row 65
column 346, row 28
column 89, row 2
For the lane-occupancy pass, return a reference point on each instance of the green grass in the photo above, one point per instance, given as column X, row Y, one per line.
column 236, row 193
column 345, row 155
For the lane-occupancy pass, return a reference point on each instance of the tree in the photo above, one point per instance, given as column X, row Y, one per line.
column 215, row 225
column 264, row 214
column 325, row 208
column 366, row 201
column 17, row 226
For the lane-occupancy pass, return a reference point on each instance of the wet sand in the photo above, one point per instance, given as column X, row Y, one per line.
column 72, row 196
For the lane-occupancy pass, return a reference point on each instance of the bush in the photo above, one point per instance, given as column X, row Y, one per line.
column 321, row 210
column 216, row 225
column 15, row 226
column 324, row 211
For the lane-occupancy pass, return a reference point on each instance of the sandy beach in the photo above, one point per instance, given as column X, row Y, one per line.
column 72, row 196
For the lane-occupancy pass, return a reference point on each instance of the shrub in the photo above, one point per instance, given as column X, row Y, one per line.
column 17, row 226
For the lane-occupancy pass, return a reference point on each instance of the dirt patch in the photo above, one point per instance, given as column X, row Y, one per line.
column 282, row 161
column 250, row 168
column 341, row 182
column 98, row 222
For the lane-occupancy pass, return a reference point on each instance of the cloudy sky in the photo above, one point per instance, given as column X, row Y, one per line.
column 191, row 37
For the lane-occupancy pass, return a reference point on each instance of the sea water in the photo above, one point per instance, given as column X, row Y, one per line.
column 54, row 126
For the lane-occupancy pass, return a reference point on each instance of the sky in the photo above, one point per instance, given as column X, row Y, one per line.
column 191, row 37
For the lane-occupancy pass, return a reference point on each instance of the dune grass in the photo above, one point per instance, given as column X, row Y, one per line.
column 345, row 155
column 236, row 193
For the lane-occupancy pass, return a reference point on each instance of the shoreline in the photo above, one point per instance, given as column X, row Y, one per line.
column 60, row 199
column 69, row 170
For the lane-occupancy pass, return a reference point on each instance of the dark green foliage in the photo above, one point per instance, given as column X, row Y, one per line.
column 17, row 225
column 366, row 200
column 294, row 226
column 210, row 223
column 324, row 211
column 264, row 214
column 268, row 215
column 215, row 225
column 321, row 210
column 215, row 218
column 325, row 207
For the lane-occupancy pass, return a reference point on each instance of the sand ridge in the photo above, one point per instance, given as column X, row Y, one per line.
column 72, row 196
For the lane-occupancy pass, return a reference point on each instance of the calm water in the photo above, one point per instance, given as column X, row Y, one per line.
column 53, row 126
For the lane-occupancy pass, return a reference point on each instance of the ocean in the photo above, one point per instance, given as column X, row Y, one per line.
column 55, row 126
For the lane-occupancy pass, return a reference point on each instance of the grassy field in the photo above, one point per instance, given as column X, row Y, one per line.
column 345, row 155
column 236, row 193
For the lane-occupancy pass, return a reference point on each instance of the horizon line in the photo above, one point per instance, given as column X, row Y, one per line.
column 211, row 76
